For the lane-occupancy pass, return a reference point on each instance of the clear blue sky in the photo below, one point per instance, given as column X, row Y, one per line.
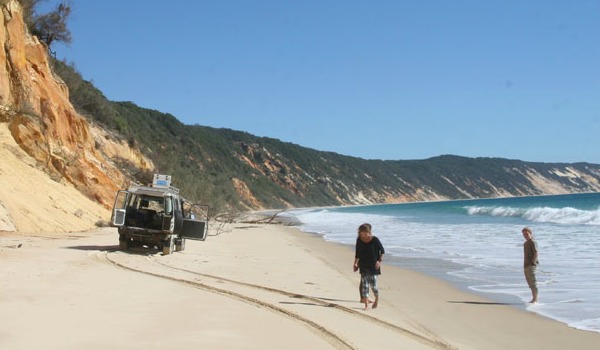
column 385, row 79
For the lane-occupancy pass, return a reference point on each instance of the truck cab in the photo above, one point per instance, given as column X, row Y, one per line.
column 157, row 215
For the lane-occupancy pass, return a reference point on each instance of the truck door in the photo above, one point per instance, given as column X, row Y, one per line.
column 195, row 223
column 119, row 209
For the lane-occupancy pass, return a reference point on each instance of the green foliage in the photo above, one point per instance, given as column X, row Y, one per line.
column 48, row 27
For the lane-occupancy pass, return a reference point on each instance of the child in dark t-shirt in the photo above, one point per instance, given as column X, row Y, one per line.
column 367, row 258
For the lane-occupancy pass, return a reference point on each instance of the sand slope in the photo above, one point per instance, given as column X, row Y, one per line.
column 31, row 202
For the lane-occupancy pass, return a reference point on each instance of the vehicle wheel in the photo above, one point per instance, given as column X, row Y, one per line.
column 168, row 246
column 123, row 243
column 180, row 245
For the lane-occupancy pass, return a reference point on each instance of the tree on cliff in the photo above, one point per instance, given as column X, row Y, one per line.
column 48, row 27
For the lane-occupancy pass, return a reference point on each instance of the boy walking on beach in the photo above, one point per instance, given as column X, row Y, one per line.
column 367, row 258
column 530, row 262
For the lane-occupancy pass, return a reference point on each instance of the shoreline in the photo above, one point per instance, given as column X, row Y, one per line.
column 441, row 269
column 253, row 286
column 516, row 308
column 495, row 274
column 524, row 325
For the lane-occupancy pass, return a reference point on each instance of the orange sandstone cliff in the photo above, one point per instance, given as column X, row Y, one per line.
column 35, row 107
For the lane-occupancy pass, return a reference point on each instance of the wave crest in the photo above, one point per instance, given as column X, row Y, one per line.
column 565, row 215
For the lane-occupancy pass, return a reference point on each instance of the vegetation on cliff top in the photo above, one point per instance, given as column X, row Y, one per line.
column 49, row 27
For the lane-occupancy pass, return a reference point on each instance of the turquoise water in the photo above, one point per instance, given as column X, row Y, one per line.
column 478, row 244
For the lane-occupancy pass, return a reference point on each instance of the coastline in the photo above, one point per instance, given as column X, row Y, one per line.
column 446, row 307
column 433, row 267
column 477, row 246
column 253, row 286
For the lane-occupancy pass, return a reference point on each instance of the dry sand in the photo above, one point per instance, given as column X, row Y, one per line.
column 250, row 287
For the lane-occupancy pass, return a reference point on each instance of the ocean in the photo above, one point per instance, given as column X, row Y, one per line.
column 477, row 245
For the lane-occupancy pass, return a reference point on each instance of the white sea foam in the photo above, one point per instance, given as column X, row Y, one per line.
column 570, row 216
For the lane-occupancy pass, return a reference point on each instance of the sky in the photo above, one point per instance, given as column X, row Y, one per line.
column 383, row 79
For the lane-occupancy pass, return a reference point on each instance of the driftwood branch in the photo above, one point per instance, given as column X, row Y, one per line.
column 264, row 217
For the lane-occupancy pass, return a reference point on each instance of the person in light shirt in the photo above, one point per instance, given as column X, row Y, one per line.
column 530, row 262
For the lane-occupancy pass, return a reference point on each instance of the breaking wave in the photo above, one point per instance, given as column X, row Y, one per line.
column 566, row 215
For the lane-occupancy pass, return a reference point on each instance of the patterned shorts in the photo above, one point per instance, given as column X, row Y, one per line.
column 368, row 281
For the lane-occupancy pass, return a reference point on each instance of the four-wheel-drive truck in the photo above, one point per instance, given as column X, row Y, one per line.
column 156, row 215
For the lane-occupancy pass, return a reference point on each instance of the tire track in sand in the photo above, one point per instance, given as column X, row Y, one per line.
column 430, row 341
column 330, row 336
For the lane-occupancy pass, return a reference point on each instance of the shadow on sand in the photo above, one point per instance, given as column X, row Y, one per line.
column 480, row 303
column 142, row 250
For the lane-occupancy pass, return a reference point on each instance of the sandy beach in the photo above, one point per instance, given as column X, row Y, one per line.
column 252, row 286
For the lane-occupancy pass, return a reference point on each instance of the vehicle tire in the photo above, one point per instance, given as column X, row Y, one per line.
column 168, row 246
column 123, row 243
column 180, row 245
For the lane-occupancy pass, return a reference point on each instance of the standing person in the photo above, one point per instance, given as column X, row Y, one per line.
column 367, row 258
column 360, row 285
column 530, row 262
